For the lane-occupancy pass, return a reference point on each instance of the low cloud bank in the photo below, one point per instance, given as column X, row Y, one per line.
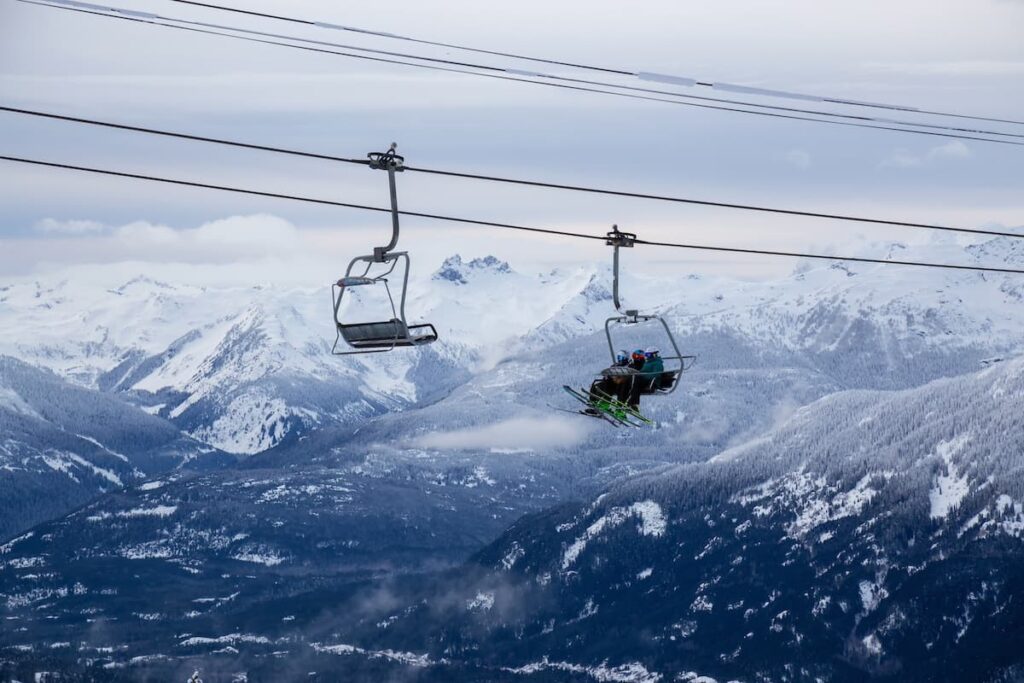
column 515, row 434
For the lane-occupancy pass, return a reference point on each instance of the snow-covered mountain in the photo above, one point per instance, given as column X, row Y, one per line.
column 361, row 472
column 62, row 445
column 873, row 535
column 246, row 368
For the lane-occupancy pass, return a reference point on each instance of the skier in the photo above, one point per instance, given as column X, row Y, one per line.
column 648, row 379
column 638, row 359
column 653, row 369
column 615, row 386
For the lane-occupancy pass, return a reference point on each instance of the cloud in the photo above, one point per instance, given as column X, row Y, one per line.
column 257, row 233
column 229, row 240
column 959, row 68
column 798, row 158
column 950, row 150
column 52, row 226
column 903, row 158
column 515, row 434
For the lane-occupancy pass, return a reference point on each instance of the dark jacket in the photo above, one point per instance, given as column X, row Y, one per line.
column 653, row 367
column 653, row 373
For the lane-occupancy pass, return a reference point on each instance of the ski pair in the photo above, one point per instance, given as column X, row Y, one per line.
column 616, row 404
column 596, row 410
column 607, row 409
column 596, row 414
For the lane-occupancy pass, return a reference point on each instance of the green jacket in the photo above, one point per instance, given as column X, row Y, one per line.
column 653, row 367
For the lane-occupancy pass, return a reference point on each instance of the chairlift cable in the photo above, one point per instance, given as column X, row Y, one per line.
column 715, row 204
column 106, row 11
column 878, row 124
column 587, row 67
column 297, row 198
column 513, row 181
column 508, row 226
column 182, row 136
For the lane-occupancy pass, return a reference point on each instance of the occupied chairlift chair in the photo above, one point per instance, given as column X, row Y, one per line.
column 667, row 381
column 378, row 337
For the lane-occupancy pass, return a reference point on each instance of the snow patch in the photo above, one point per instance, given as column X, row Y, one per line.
column 483, row 602
column 652, row 523
column 267, row 559
column 11, row 400
column 872, row 644
column 157, row 511
column 951, row 488
column 231, row 638
column 514, row 554
column 633, row 672
column 408, row 658
column 872, row 593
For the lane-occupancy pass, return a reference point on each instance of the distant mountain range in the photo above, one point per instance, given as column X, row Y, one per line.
column 842, row 463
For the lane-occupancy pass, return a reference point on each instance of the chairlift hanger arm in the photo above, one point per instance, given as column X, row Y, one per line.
column 392, row 163
column 618, row 239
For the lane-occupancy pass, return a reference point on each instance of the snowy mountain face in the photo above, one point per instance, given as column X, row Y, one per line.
column 62, row 445
column 365, row 475
column 874, row 535
column 244, row 369
column 248, row 550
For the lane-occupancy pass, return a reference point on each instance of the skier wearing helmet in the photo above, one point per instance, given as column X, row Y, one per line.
column 615, row 386
column 649, row 374
column 653, row 367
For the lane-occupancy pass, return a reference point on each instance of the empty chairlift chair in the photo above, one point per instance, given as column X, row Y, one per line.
column 394, row 332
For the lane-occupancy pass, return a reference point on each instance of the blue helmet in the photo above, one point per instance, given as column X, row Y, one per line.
column 621, row 356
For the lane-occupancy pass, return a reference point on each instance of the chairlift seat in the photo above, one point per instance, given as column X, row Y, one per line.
column 619, row 371
column 356, row 281
column 386, row 334
column 663, row 383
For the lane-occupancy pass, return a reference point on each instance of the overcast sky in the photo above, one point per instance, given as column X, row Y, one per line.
column 963, row 56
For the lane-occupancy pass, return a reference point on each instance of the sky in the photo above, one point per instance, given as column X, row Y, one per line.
column 962, row 56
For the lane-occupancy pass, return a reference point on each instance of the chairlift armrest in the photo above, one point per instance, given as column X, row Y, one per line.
column 432, row 334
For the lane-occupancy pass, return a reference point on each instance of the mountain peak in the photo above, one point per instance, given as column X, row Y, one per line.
column 1005, row 249
column 454, row 269
column 142, row 280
